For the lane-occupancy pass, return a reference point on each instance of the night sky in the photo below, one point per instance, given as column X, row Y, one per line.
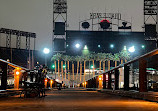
column 36, row 15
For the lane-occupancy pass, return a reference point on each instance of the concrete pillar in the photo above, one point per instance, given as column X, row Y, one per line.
column 17, row 75
column 45, row 83
column 89, row 83
column 97, row 82
column 109, row 80
column 4, row 75
column 16, row 81
column 51, row 83
column 126, row 77
column 25, row 74
column 92, row 82
column 86, row 84
column 157, row 24
column 104, row 81
column 100, row 81
column 31, row 76
column 142, row 75
column 116, row 79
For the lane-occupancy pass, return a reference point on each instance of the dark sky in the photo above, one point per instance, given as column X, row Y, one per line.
column 36, row 15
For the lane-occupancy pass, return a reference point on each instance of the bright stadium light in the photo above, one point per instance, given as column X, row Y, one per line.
column 131, row 49
column 112, row 46
column 125, row 48
column 77, row 45
column 46, row 51
column 92, row 66
column 85, row 47
column 143, row 46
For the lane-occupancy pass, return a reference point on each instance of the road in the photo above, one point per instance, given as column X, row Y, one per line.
column 76, row 100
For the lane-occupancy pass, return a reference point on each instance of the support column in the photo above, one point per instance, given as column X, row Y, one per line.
column 25, row 74
column 31, row 76
column 88, row 84
column 97, row 82
column 142, row 75
column 91, row 83
column 126, row 77
column 45, row 83
column 93, row 86
column 109, row 80
column 17, row 76
column 100, row 79
column 4, row 75
column 104, row 81
column 51, row 83
column 94, row 83
column 116, row 79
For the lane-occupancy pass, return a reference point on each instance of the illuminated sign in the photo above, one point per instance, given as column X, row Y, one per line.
column 105, row 15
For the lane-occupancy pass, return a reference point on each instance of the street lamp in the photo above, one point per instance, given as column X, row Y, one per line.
column 46, row 51
column 77, row 45
column 53, row 66
column 85, row 47
column 85, row 50
column 131, row 49
column 112, row 46
column 92, row 66
column 143, row 46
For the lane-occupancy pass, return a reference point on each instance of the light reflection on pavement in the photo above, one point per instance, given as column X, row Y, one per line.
column 76, row 100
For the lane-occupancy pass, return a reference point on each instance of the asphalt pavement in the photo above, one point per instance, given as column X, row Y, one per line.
column 76, row 100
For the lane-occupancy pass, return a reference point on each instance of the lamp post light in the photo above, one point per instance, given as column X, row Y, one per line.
column 132, row 50
column 143, row 46
column 46, row 51
column 112, row 46
column 77, row 45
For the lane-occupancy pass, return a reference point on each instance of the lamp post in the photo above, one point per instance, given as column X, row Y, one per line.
column 132, row 50
column 46, row 51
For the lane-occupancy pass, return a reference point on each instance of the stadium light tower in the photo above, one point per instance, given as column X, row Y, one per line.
column 46, row 51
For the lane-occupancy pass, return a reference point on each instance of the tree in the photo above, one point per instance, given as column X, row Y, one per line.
column 81, row 60
column 84, row 58
column 105, row 58
column 65, row 58
column 99, row 57
column 93, row 59
column 109, row 58
column 124, row 55
column 54, row 58
column 116, row 58
column 89, row 58
column 77, row 58
column 59, row 57
column 72, row 60
column 68, row 66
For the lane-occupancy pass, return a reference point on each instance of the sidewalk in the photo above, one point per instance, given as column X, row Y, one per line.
column 149, row 96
